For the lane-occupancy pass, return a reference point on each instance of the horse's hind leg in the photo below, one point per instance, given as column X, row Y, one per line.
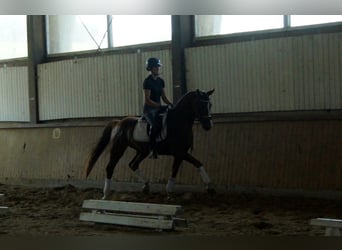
column 134, row 165
column 172, row 180
column 205, row 177
column 116, row 153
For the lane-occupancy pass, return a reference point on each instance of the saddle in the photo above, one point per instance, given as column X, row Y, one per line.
column 142, row 129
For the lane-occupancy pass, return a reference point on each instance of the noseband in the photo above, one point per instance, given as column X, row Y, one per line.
column 206, row 116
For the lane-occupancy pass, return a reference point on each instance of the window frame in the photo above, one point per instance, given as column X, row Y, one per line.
column 286, row 31
column 109, row 50
column 191, row 41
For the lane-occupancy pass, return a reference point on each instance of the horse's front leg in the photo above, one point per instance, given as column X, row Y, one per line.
column 134, row 165
column 205, row 177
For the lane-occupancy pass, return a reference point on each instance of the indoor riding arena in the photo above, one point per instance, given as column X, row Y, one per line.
column 273, row 154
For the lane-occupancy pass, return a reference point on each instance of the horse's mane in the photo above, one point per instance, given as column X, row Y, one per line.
column 185, row 96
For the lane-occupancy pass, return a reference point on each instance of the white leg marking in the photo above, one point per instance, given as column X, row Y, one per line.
column 170, row 185
column 106, row 189
column 204, row 175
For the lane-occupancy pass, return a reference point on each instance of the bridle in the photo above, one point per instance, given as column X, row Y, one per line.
column 202, row 103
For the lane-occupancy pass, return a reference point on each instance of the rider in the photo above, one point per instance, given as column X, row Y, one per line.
column 154, row 91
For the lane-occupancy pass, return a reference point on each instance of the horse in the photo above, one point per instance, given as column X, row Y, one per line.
column 194, row 105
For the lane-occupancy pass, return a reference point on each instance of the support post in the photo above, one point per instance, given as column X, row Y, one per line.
column 182, row 37
column 36, row 54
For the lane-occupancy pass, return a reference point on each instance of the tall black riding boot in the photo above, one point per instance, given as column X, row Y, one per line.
column 153, row 145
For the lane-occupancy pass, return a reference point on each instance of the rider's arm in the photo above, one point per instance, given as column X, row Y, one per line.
column 165, row 98
column 148, row 100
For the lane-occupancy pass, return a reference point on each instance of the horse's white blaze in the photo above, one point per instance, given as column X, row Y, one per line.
column 170, row 185
column 106, row 189
column 204, row 175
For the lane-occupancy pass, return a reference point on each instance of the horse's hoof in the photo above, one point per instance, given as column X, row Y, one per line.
column 170, row 197
column 104, row 198
column 146, row 188
column 211, row 191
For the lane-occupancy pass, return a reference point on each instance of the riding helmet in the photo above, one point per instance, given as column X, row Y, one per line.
column 152, row 62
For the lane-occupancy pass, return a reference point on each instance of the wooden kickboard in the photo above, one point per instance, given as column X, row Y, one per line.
column 133, row 207
column 129, row 220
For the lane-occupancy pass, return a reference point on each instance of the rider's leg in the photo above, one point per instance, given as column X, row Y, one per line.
column 152, row 120
column 153, row 143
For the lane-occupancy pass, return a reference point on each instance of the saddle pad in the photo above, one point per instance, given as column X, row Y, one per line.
column 140, row 132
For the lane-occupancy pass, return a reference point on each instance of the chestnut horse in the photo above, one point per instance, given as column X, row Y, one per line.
column 119, row 133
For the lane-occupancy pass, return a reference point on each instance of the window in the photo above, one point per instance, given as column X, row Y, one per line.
column 301, row 20
column 69, row 33
column 138, row 29
column 13, row 39
column 207, row 25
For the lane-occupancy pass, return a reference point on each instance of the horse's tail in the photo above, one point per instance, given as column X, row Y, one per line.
column 99, row 148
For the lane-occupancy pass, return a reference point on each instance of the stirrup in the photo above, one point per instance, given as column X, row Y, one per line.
column 154, row 154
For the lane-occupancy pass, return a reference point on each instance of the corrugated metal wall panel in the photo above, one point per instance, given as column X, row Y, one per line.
column 84, row 87
column 334, row 50
column 280, row 74
column 68, row 89
column 98, row 86
column 120, row 90
column 14, row 97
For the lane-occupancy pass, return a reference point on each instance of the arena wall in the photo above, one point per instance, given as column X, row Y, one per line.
column 277, row 114
column 292, row 155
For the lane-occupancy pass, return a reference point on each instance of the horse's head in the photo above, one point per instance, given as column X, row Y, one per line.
column 202, row 106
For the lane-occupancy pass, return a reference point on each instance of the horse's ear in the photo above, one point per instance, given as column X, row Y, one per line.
column 210, row 92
